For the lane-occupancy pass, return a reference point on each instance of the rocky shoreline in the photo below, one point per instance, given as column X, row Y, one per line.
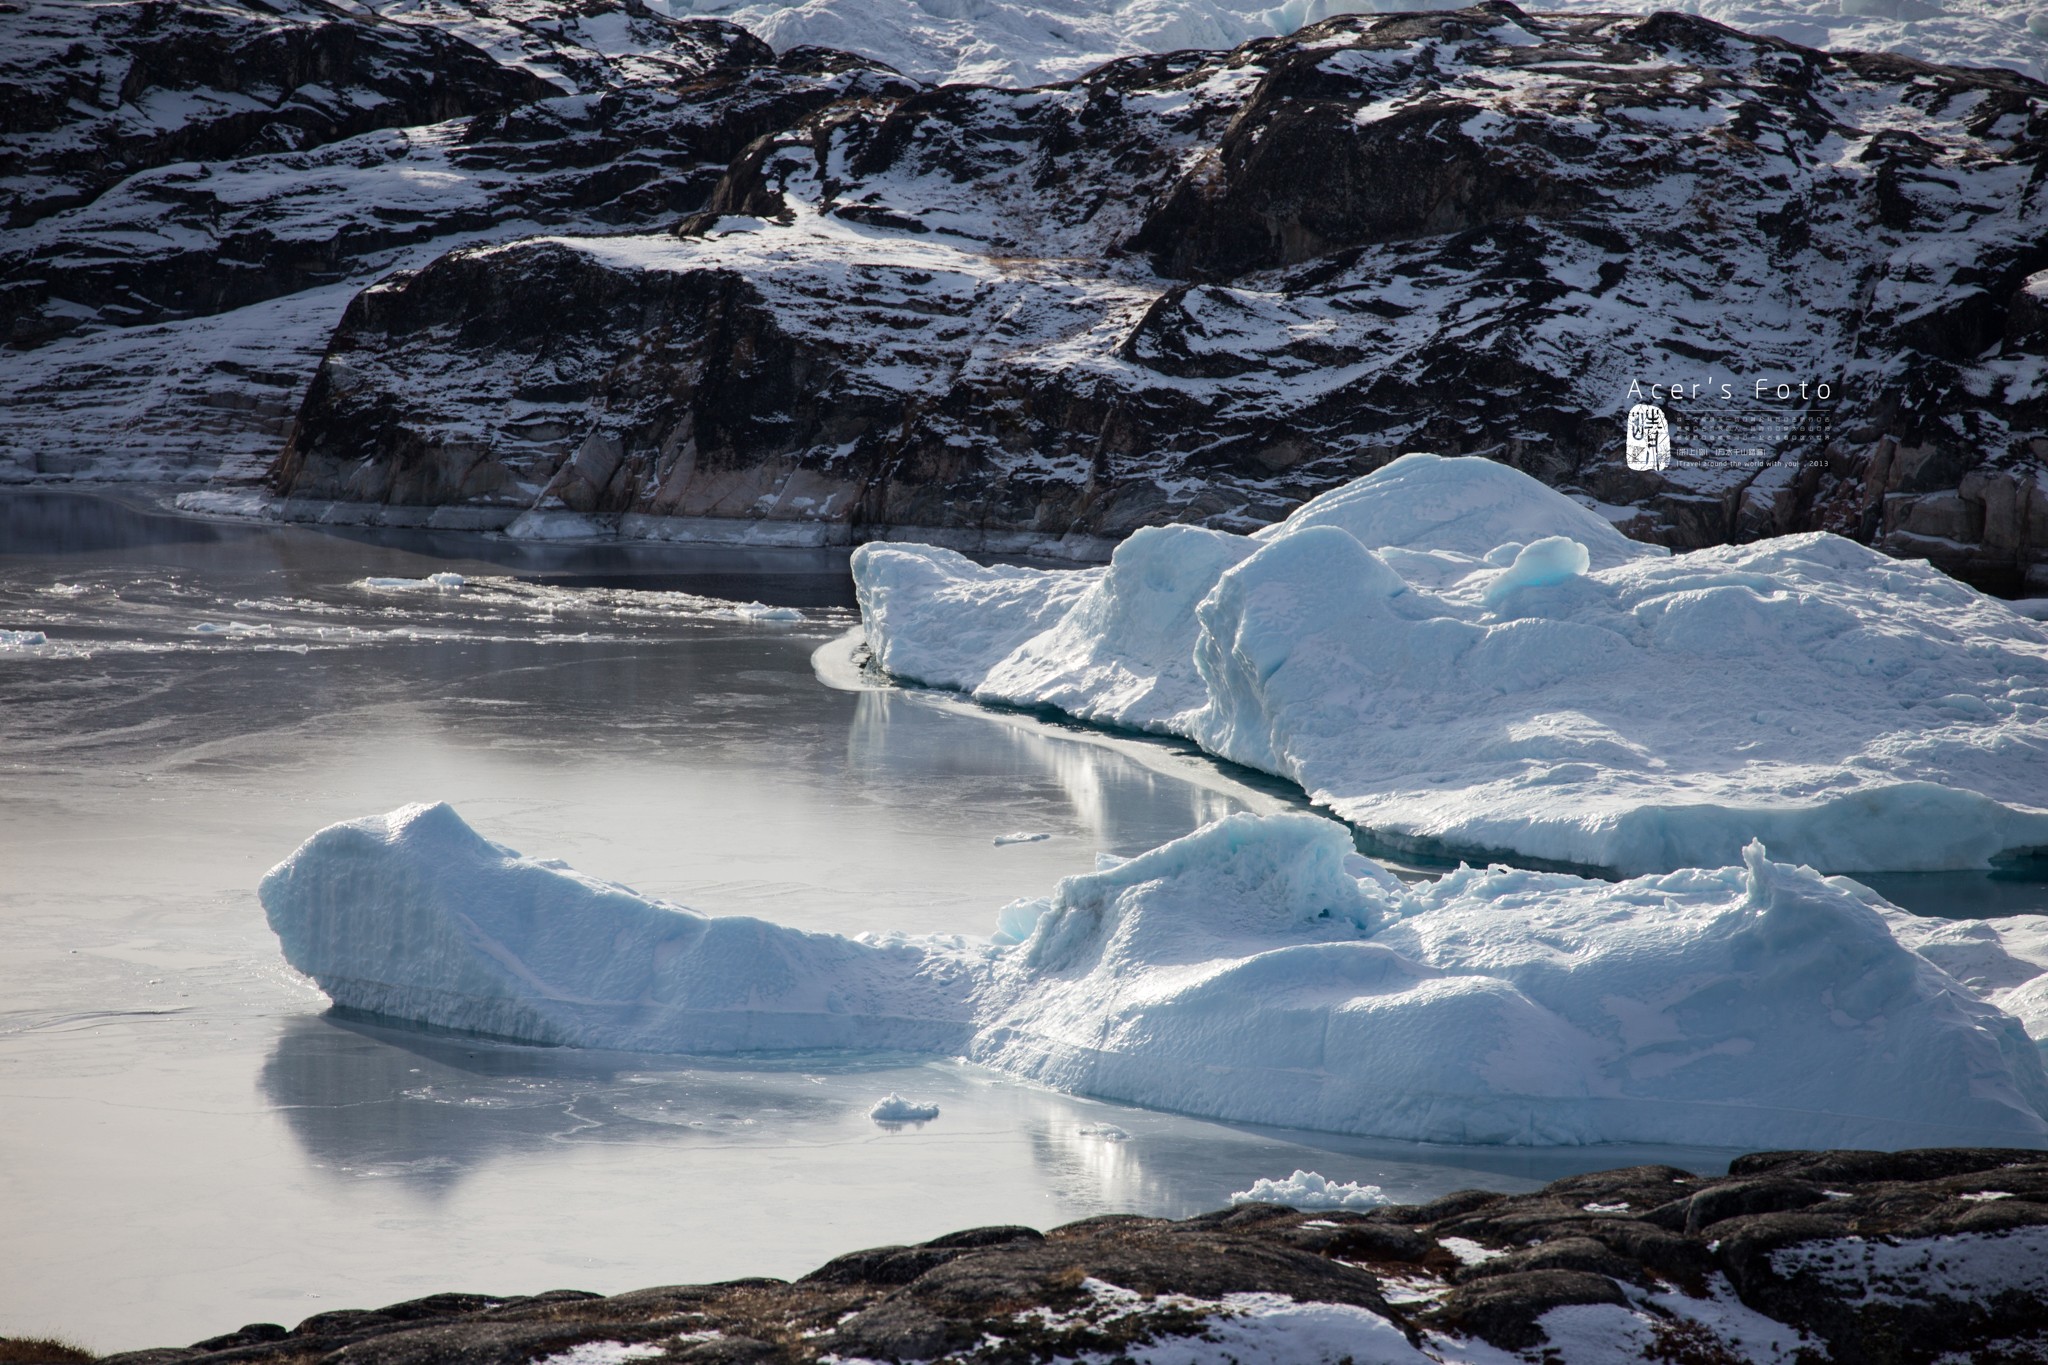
column 1849, row 1256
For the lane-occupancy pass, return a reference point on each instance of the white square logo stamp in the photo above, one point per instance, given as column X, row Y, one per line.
column 1649, row 437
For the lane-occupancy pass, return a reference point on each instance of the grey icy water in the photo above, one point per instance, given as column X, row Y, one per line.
column 191, row 1141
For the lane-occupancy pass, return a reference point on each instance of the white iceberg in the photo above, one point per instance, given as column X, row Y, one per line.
column 433, row 582
column 1312, row 1190
column 1561, row 694
column 895, row 1109
column 1256, row 970
column 21, row 641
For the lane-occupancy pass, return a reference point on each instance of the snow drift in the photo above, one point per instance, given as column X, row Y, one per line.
column 1256, row 970
column 1458, row 658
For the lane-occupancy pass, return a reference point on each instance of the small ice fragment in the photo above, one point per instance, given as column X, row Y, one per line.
column 761, row 611
column 1308, row 1190
column 1020, row 837
column 231, row 628
column 1985, row 1196
column 65, row 589
column 440, row 582
column 1108, row 1132
column 22, row 639
column 1606, row 1208
column 896, row 1109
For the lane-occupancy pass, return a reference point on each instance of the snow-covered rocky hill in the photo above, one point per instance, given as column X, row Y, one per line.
column 653, row 278
column 1027, row 42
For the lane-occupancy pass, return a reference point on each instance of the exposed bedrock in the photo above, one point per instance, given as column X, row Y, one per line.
column 1195, row 287
column 1201, row 287
column 1878, row 1258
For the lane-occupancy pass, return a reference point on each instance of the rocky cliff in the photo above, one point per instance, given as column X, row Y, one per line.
column 1792, row 1258
column 703, row 290
column 1201, row 287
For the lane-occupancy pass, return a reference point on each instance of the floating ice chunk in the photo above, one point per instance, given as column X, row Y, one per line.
column 414, row 916
column 233, row 629
column 434, row 582
column 1019, row 837
column 1583, row 701
column 1108, row 1132
column 1309, row 1190
column 895, row 1109
column 761, row 611
column 22, row 640
column 1244, row 972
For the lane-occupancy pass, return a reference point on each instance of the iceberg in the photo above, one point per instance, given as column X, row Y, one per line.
column 1459, row 659
column 1256, row 970
column 893, row 1108
column 1312, row 1190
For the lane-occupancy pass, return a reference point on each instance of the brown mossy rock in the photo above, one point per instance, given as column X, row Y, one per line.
column 1108, row 1286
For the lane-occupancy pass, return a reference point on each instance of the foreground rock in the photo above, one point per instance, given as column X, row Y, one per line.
column 1868, row 1257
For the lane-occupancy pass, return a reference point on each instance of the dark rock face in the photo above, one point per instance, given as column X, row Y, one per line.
column 186, row 233
column 1202, row 287
column 803, row 298
column 92, row 94
column 219, row 213
column 1904, row 1257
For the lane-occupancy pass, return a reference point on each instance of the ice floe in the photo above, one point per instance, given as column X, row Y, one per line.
column 1460, row 659
column 1311, row 1190
column 434, row 582
column 1257, row 970
column 893, row 1108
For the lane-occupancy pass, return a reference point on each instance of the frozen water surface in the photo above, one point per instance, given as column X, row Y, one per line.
column 193, row 1142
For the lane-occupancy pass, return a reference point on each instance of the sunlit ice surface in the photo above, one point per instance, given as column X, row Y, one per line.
column 193, row 1141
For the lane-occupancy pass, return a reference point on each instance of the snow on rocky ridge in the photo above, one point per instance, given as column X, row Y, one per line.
column 1028, row 42
column 1175, row 289
column 1454, row 657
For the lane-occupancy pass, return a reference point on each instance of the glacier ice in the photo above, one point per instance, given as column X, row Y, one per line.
column 1256, row 970
column 1461, row 659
